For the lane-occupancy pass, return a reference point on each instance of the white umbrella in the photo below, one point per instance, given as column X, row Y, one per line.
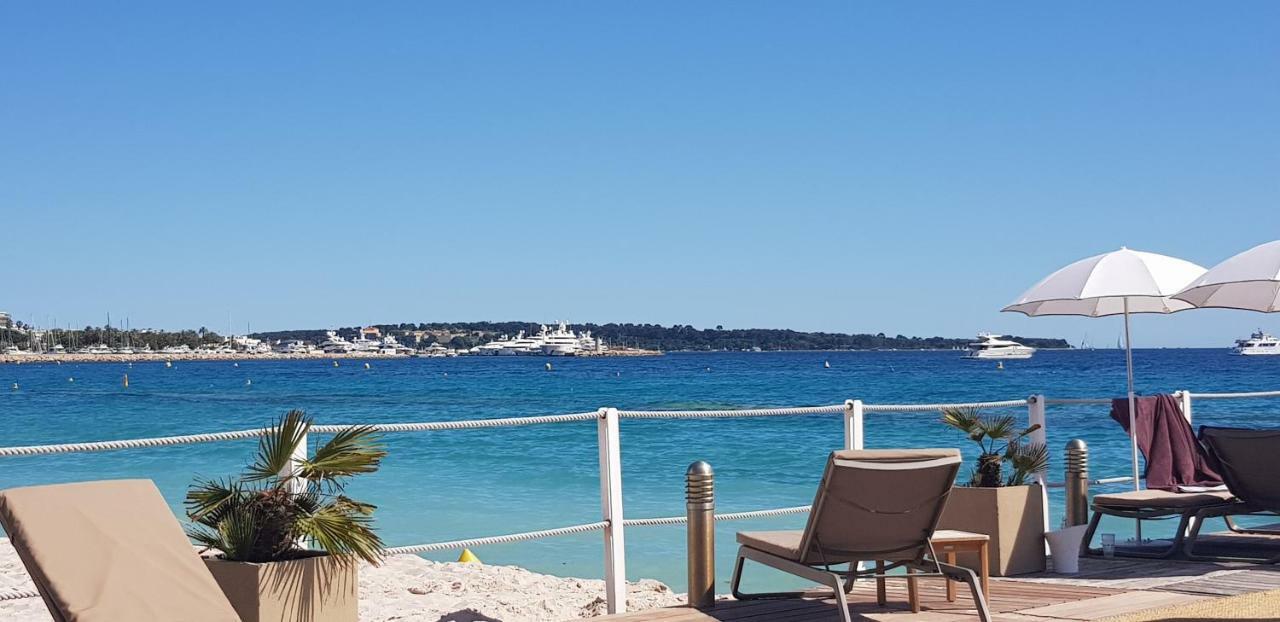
column 1116, row 283
column 1249, row 281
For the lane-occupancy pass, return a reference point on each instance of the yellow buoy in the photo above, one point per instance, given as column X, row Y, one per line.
column 468, row 557
column 126, row 381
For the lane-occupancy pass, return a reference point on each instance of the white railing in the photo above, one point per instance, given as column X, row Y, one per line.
column 612, row 520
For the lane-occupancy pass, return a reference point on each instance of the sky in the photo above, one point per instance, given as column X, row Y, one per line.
column 854, row 167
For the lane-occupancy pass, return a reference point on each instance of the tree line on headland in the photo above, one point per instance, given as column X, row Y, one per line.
column 656, row 337
column 463, row 335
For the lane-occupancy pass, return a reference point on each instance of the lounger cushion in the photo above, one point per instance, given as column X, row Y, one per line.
column 1162, row 499
column 110, row 551
column 785, row 544
column 895, row 455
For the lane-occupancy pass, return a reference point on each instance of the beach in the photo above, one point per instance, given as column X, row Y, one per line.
column 409, row 588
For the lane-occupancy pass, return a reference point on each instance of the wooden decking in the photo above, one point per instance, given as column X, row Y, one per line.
column 1104, row 587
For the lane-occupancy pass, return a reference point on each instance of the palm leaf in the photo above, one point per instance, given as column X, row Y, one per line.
column 207, row 497
column 350, row 452
column 1027, row 460
column 340, row 530
column 965, row 419
column 277, row 446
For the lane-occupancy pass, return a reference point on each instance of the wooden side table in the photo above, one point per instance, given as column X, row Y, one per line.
column 946, row 543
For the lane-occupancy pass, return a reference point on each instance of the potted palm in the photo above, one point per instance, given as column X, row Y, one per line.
column 283, row 539
column 998, row 499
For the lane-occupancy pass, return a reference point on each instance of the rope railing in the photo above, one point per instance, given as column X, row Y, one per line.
column 1226, row 396
column 927, row 407
column 1065, row 401
column 503, row 539
column 679, row 520
column 745, row 412
column 469, row 424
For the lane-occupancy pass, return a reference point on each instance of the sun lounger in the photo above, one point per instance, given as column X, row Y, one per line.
column 110, row 551
column 1155, row 505
column 1247, row 460
column 871, row 506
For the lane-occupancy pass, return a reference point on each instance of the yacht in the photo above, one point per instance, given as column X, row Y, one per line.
column 101, row 348
column 1258, row 344
column 493, row 348
column 390, row 346
column 991, row 346
column 294, row 347
column 12, row 350
column 561, row 342
column 179, row 349
column 522, row 345
column 334, row 344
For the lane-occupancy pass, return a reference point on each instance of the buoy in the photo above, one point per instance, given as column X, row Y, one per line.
column 708, row 369
column 168, row 363
column 826, row 364
column 335, row 363
column 235, row 364
column 71, row 379
column 367, row 366
column 468, row 557
column 15, row 386
column 247, row 382
column 446, row 374
column 1000, row 365
column 126, row 381
column 548, row 366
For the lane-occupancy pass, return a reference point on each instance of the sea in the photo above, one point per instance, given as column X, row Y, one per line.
column 447, row 485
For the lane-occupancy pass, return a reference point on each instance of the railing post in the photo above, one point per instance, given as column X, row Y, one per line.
column 853, row 424
column 1077, row 480
column 1184, row 400
column 700, row 509
column 296, row 485
column 615, row 560
column 1035, row 415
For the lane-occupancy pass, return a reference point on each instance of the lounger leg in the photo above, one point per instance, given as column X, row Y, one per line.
column 736, row 581
column 1189, row 544
column 913, row 592
column 881, row 597
column 1088, row 533
column 967, row 576
column 829, row 579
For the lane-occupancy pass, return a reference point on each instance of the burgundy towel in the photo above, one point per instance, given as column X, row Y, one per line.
column 1174, row 457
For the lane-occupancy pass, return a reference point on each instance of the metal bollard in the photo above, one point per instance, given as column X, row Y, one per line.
column 1077, row 480
column 700, row 507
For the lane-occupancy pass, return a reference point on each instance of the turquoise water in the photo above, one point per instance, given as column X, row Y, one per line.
column 447, row 485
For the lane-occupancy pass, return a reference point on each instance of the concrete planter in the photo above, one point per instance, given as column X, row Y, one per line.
column 1012, row 516
column 318, row 588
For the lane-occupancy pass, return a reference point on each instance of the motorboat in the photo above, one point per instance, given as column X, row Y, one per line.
column 1258, row 344
column 989, row 346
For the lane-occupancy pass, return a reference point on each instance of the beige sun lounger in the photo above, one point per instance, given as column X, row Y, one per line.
column 110, row 551
column 872, row 505
column 1152, row 504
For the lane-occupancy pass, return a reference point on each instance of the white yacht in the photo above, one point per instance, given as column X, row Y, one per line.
column 179, row 349
column 390, row 346
column 334, row 344
column 991, row 346
column 101, row 348
column 1258, row 344
column 522, row 345
column 561, row 342
column 294, row 347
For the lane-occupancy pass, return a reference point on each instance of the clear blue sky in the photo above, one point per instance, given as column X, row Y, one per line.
column 897, row 167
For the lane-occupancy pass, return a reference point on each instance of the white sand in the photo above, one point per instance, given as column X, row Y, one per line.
column 409, row 588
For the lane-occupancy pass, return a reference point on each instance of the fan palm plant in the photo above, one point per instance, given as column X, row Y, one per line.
column 999, row 441
column 264, row 514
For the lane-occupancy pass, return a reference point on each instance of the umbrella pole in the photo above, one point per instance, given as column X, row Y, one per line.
column 1133, row 412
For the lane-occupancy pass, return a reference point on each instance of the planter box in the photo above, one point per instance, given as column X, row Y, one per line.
column 319, row 588
column 1012, row 516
